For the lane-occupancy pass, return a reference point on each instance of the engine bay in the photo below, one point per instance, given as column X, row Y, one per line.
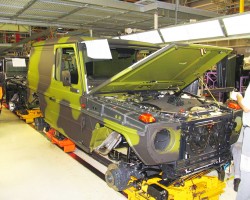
column 181, row 106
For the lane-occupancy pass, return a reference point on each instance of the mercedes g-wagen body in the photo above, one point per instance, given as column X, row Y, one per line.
column 125, row 100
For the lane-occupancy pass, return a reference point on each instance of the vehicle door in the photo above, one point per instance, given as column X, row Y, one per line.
column 64, row 106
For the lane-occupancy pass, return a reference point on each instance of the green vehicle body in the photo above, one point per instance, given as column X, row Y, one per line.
column 101, row 113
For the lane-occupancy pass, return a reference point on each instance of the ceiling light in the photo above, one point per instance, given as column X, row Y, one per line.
column 236, row 25
column 149, row 36
column 200, row 30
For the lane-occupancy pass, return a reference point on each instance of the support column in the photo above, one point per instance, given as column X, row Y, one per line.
column 242, row 6
column 156, row 20
column 176, row 10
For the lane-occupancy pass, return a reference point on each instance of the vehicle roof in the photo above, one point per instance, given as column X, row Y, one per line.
column 78, row 39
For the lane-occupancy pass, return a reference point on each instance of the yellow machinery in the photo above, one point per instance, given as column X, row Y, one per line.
column 198, row 188
column 30, row 115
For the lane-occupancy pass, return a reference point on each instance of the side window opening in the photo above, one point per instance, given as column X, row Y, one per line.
column 66, row 61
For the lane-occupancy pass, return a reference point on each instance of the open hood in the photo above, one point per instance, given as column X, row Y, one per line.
column 172, row 67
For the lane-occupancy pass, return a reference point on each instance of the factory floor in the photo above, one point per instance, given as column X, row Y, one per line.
column 33, row 168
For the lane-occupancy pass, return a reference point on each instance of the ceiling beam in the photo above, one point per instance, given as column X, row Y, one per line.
column 67, row 14
column 149, row 7
column 184, row 9
column 78, row 32
column 37, row 23
column 51, row 24
column 111, row 4
column 28, row 5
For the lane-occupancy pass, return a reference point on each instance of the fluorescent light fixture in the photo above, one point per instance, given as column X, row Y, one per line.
column 178, row 33
column 208, row 29
column 117, row 37
column 129, row 37
column 236, row 25
column 200, row 30
column 149, row 36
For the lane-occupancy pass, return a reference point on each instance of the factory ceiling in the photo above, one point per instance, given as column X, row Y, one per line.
column 106, row 17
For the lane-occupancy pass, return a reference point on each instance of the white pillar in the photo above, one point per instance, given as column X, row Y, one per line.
column 156, row 20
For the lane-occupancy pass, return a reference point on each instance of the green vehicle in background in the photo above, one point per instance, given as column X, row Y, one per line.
column 14, row 70
column 125, row 100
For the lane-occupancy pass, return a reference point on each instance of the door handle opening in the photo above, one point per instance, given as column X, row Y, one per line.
column 52, row 98
column 74, row 90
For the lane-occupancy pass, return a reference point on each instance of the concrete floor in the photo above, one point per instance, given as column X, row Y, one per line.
column 31, row 168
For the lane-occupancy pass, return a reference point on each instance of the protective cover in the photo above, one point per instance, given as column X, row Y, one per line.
column 172, row 67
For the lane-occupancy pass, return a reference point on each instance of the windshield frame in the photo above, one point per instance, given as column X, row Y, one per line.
column 129, row 47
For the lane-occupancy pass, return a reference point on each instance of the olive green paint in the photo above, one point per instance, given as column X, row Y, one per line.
column 33, row 72
column 75, row 98
column 130, row 134
column 99, row 135
column 174, row 145
column 238, row 121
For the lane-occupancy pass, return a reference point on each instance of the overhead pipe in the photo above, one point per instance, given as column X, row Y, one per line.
column 156, row 20
column 242, row 6
column 176, row 11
